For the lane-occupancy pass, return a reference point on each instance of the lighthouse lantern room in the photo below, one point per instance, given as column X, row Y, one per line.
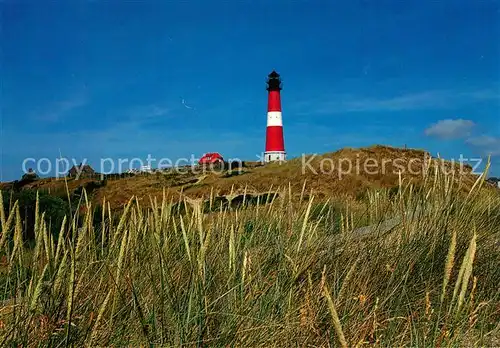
column 275, row 145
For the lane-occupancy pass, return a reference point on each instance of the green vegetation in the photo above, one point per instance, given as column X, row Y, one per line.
column 287, row 273
column 54, row 208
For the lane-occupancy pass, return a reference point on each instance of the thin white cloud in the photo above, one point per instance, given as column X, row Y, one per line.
column 404, row 102
column 425, row 100
column 488, row 145
column 63, row 108
column 158, row 111
column 143, row 116
column 450, row 129
column 148, row 112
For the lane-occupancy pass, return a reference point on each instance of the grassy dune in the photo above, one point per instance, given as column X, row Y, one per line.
column 344, row 174
column 286, row 273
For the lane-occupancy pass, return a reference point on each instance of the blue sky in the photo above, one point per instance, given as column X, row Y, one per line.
column 96, row 79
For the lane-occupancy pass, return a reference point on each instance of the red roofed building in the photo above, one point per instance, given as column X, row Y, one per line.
column 211, row 158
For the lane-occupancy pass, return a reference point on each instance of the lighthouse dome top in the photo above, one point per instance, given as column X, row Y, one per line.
column 274, row 74
column 273, row 81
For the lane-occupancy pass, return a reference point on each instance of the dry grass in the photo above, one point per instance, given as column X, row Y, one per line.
column 288, row 273
column 258, row 179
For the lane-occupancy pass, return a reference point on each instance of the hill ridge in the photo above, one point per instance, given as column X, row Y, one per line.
column 347, row 172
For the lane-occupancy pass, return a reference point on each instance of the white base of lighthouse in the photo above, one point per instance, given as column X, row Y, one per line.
column 272, row 156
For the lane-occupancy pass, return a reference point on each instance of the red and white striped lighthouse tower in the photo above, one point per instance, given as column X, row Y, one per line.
column 275, row 144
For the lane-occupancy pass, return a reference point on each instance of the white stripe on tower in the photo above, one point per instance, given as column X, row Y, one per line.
column 274, row 119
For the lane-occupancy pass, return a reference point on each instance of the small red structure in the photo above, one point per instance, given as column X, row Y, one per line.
column 211, row 158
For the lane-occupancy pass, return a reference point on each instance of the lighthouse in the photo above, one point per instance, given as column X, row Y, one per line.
column 275, row 144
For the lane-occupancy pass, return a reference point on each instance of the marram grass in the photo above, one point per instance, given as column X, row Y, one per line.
column 283, row 273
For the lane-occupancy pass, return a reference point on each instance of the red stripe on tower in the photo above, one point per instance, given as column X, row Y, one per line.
column 275, row 144
column 273, row 101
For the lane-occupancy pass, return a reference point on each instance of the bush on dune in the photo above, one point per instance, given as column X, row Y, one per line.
column 53, row 207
